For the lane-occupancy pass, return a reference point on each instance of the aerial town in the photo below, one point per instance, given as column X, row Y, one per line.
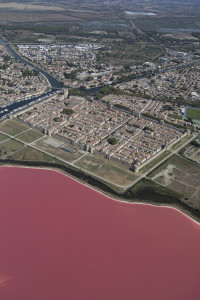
column 123, row 92
column 17, row 81
column 74, row 65
column 96, row 126
column 99, row 149
column 131, row 128
column 171, row 84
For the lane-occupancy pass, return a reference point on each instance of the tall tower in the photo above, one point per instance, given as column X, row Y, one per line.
column 66, row 93
column 188, row 132
column 49, row 132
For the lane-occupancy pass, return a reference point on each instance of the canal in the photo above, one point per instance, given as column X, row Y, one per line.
column 54, row 85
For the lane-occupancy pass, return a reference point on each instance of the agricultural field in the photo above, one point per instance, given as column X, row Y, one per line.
column 43, row 12
column 182, row 176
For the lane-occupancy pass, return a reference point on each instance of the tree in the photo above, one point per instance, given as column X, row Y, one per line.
column 67, row 111
column 195, row 143
column 71, row 75
column 6, row 58
column 89, row 78
column 112, row 141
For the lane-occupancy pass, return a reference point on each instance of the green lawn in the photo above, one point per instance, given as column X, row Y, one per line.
column 9, row 147
column 193, row 113
column 153, row 162
column 3, row 137
column 13, row 127
column 181, row 142
column 30, row 136
column 30, row 154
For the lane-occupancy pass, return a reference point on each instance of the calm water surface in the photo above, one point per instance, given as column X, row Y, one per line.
column 61, row 240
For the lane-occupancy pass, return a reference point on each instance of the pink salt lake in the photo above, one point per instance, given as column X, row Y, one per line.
column 61, row 240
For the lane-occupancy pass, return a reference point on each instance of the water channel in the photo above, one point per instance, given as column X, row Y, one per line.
column 55, row 85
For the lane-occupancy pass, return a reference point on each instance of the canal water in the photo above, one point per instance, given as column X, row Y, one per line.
column 55, row 85
column 53, row 82
column 62, row 240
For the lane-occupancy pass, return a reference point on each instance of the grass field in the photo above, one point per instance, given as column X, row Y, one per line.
column 193, row 113
column 3, row 137
column 154, row 162
column 9, row 147
column 107, row 170
column 181, row 176
column 181, row 142
column 30, row 154
column 30, row 136
column 13, row 127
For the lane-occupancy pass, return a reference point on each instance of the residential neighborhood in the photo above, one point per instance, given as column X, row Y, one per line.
column 18, row 81
column 90, row 124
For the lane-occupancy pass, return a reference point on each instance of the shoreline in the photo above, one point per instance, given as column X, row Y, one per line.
column 173, row 206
